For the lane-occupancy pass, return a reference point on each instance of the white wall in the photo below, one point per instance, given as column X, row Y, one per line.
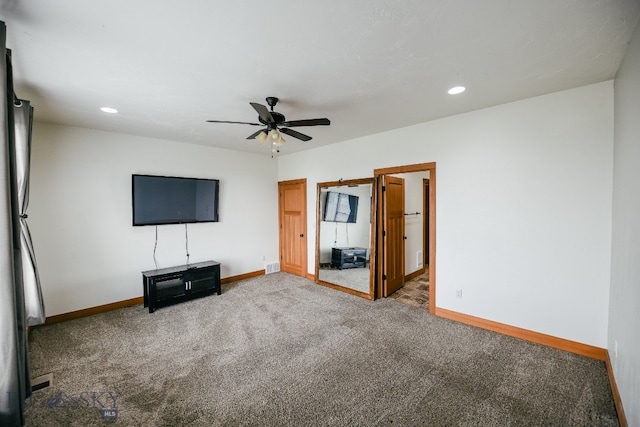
column 89, row 254
column 624, row 309
column 523, row 206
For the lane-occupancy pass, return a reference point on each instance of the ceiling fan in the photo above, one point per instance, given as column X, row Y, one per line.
column 275, row 123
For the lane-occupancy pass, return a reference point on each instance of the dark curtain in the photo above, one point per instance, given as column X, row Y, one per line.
column 15, row 384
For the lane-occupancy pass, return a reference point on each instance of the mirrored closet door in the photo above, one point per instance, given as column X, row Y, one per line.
column 344, row 233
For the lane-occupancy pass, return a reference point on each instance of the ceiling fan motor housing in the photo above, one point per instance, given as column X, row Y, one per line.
column 277, row 118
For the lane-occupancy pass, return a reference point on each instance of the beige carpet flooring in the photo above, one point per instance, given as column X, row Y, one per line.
column 280, row 350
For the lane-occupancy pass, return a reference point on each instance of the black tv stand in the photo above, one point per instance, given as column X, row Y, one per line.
column 181, row 283
column 348, row 258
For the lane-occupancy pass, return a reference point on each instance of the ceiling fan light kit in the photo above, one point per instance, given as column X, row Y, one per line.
column 276, row 124
column 274, row 135
column 261, row 136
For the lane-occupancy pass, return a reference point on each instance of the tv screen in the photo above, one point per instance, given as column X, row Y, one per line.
column 160, row 200
column 340, row 207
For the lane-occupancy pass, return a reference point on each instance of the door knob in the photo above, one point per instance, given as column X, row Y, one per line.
column 302, row 235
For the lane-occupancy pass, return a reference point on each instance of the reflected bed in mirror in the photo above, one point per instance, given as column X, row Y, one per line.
column 344, row 236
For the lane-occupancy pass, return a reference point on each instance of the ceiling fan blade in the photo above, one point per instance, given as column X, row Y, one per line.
column 308, row 122
column 237, row 123
column 295, row 134
column 253, row 135
column 263, row 112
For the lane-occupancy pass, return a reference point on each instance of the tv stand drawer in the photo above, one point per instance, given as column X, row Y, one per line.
column 181, row 283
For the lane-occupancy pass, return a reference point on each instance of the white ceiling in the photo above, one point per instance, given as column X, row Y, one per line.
column 368, row 65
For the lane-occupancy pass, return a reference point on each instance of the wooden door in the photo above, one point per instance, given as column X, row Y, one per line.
column 292, row 218
column 393, row 234
column 425, row 226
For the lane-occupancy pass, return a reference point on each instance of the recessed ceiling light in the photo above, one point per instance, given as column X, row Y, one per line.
column 456, row 90
column 109, row 110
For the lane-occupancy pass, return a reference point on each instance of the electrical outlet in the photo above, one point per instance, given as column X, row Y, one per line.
column 458, row 293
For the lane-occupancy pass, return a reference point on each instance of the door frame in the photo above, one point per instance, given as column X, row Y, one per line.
column 303, row 181
column 418, row 167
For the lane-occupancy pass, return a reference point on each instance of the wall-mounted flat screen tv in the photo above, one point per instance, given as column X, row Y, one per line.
column 160, row 200
column 340, row 207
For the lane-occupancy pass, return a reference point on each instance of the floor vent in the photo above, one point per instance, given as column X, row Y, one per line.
column 272, row 267
column 43, row 381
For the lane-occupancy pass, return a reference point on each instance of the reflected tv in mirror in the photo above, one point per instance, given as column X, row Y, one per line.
column 158, row 200
column 340, row 207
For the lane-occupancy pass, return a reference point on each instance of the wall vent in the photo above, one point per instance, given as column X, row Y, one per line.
column 272, row 267
column 43, row 381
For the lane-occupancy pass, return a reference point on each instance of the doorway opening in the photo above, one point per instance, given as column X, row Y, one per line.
column 392, row 236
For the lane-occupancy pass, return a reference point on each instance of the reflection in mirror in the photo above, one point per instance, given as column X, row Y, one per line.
column 343, row 236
